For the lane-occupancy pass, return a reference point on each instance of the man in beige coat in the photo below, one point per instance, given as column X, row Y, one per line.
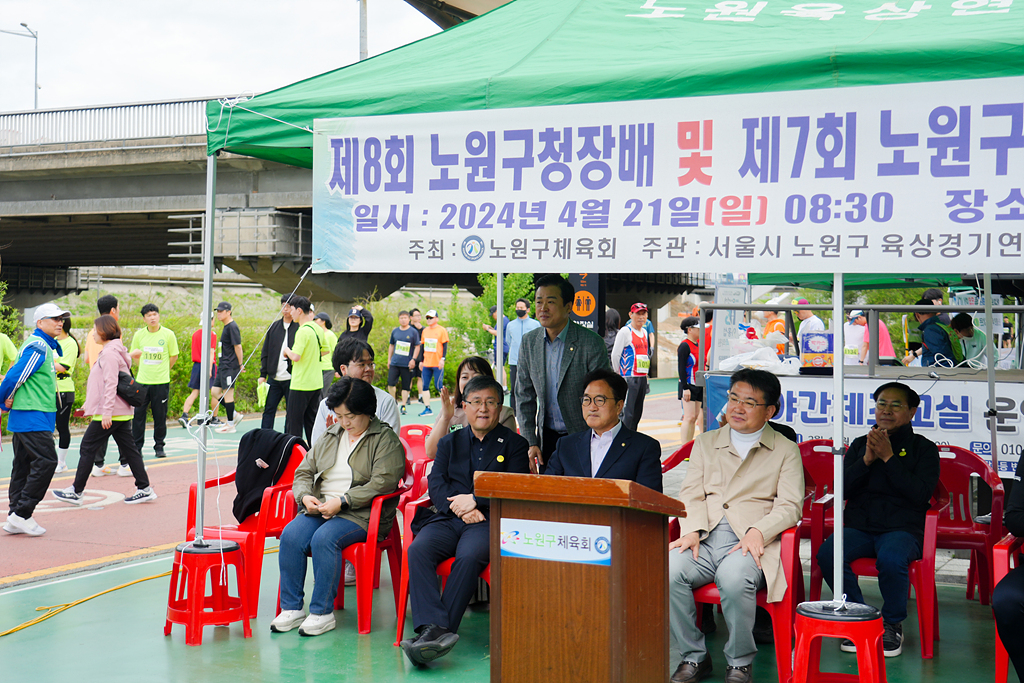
column 744, row 486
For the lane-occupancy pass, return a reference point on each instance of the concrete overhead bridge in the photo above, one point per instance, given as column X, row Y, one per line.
column 124, row 185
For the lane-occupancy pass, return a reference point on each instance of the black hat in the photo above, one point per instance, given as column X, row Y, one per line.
column 326, row 318
column 223, row 306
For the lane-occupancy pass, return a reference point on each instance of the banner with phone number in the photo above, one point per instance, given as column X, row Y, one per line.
column 951, row 412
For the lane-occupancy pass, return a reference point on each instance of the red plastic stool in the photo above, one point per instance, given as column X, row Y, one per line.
column 187, row 601
column 860, row 623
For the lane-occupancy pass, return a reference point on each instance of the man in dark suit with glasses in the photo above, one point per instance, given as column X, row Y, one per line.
column 609, row 449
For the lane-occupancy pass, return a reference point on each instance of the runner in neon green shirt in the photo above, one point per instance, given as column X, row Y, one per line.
column 331, row 340
column 8, row 353
column 309, row 347
column 156, row 349
column 65, row 366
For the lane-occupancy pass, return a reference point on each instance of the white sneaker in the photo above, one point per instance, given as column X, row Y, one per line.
column 238, row 418
column 315, row 624
column 111, row 470
column 350, row 574
column 141, row 496
column 124, row 471
column 29, row 526
column 61, row 467
column 11, row 530
column 98, row 471
column 287, row 620
column 227, row 428
column 67, row 495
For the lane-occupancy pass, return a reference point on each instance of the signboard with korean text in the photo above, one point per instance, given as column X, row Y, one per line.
column 887, row 178
column 556, row 541
column 951, row 411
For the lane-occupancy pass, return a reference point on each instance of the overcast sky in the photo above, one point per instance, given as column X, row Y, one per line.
column 113, row 51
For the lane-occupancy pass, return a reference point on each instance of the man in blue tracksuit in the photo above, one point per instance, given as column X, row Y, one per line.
column 28, row 392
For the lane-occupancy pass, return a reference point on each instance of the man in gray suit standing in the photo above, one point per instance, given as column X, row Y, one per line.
column 553, row 362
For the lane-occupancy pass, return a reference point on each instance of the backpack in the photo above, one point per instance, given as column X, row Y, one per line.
column 954, row 342
column 130, row 390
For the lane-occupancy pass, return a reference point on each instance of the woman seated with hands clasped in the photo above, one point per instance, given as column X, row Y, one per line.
column 452, row 416
column 357, row 459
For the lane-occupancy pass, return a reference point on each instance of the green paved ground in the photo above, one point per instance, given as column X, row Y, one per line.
column 119, row 637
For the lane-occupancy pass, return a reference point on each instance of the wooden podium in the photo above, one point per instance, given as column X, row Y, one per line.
column 581, row 620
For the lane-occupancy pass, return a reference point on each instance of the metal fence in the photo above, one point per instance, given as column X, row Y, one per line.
column 104, row 123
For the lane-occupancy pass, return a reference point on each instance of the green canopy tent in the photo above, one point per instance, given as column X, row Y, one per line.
column 853, row 280
column 545, row 52
column 532, row 53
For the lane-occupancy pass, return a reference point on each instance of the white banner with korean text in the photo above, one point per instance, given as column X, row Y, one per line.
column 952, row 412
column 918, row 177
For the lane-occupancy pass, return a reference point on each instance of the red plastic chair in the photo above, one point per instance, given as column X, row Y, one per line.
column 679, row 456
column 783, row 612
column 670, row 463
column 922, row 572
column 957, row 529
column 1007, row 548
column 415, row 437
column 277, row 508
column 819, row 468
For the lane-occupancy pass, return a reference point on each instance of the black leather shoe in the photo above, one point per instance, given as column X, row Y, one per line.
column 433, row 642
column 763, row 634
column 691, row 672
column 738, row 674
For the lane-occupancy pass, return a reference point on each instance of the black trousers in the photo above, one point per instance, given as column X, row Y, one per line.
column 633, row 409
column 95, row 439
column 512, row 386
column 547, row 448
column 1008, row 605
column 277, row 390
column 436, row 542
column 156, row 400
column 301, row 413
column 65, row 404
column 35, row 459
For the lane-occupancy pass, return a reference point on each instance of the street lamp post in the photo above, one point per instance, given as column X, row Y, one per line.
column 35, row 75
column 34, row 35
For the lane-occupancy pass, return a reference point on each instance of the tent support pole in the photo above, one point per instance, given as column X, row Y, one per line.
column 838, row 418
column 204, row 357
column 499, row 341
column 992, row 355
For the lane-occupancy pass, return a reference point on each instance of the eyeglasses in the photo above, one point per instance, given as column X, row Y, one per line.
column 894, row 406
column 596, row 400
column 477, row 403
column 750, row 405
column 361, row 364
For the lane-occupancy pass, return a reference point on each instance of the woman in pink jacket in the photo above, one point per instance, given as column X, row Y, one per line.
column 111, row 416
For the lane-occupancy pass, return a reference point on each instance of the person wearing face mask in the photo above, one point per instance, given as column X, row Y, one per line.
column 452, row 416
column 515, row 330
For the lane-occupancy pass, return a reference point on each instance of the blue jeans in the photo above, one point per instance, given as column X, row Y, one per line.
column 323, row 539
column 894, row 551
column 437, row 374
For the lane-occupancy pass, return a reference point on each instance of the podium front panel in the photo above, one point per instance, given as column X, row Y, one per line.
column 574, row 621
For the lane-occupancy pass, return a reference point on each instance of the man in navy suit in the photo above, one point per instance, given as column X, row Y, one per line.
column 457, row 524
column 608, row 450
